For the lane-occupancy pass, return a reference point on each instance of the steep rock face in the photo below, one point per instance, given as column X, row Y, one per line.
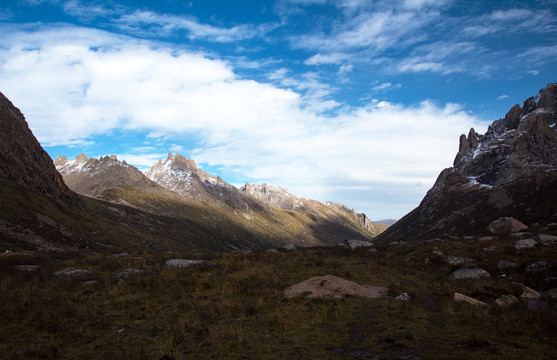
column 98, row 177
column 282, row 199
column 22, row 159
column 509, row 171
column 359, row 218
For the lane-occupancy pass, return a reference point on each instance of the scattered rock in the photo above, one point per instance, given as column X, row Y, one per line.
column 505, row 265
column 272, row 250
column 124, row 274
column 354, row 244
column 403, row 297
column 470, row 274
column 289, row 247
column 488, row 238
column 26, row 267
column 124, row 254
column 552, row 294
column 427, row 261
column 460, row 261
column 467, row 299
column 186, row 263
column 546, row 240
column 72, row 272
column 436, row 251
column 520, row 235
column 506, row 225
column 329, row 286
column 91, row 282
column 538, row 266
column 506, row 300
column 490, row 249
column 525, row 244
column 372, row 250
column 529, row 293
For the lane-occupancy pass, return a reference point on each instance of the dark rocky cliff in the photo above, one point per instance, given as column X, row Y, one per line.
column 23, row 161
column 509, row 171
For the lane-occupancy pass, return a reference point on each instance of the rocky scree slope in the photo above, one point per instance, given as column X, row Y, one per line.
column 509, row 171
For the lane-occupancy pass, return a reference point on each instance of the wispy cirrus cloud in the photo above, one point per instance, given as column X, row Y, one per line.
column 147, row 21
column 517, row 20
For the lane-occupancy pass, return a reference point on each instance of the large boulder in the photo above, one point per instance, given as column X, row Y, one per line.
column 506, row 225
column 329, row 286
column 470, row 274
column 458, row 297
column 525, row 244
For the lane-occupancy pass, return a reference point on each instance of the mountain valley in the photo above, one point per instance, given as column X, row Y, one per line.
column 102, row 261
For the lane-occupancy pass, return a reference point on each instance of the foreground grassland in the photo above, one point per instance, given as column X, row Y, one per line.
column 236, row 309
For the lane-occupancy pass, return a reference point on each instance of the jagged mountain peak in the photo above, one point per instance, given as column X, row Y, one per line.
column 511, row 170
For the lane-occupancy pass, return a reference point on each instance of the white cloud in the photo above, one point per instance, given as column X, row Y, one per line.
column 377, row 30
column 503, row 22
column 151, row 22
column 74, row 83
column 503, row 97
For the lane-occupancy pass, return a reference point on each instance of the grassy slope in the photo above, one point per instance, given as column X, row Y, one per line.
column 236, row 309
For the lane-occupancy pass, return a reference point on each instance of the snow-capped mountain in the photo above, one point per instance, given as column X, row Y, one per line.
column 182, row 175
column 509, row 171
column 99, row 177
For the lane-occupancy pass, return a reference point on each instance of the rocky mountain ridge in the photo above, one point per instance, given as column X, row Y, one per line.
column 23, row 161
column 511, row 170
column 278, row 197
column 208, row 200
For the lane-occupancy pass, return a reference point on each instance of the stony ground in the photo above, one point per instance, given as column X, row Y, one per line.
column 233, row 306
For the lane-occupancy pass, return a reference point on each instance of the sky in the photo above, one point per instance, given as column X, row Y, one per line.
column 359, row 102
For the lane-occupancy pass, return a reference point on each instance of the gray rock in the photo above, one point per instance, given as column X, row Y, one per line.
column 525, row 244
column 506, row 300
column 403, row 297
column 470, row 274
column 505, row 265
column 72, row 272
column 91, row 282
column 520, row 235
column 272, row 251
column 26, row 267
column 436, row 251
column 488, row 238
column 372, row 250
column 538, row 266
column 124, row 274
column 467, row 299
column 546, row 240
column 490, row 249
column 460, row 261
column 186, row 263
column 289, row 247
column 124, row 254
column 354, row 244
column 506, row 225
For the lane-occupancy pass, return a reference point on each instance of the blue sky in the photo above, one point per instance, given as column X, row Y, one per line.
column 351, row 101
